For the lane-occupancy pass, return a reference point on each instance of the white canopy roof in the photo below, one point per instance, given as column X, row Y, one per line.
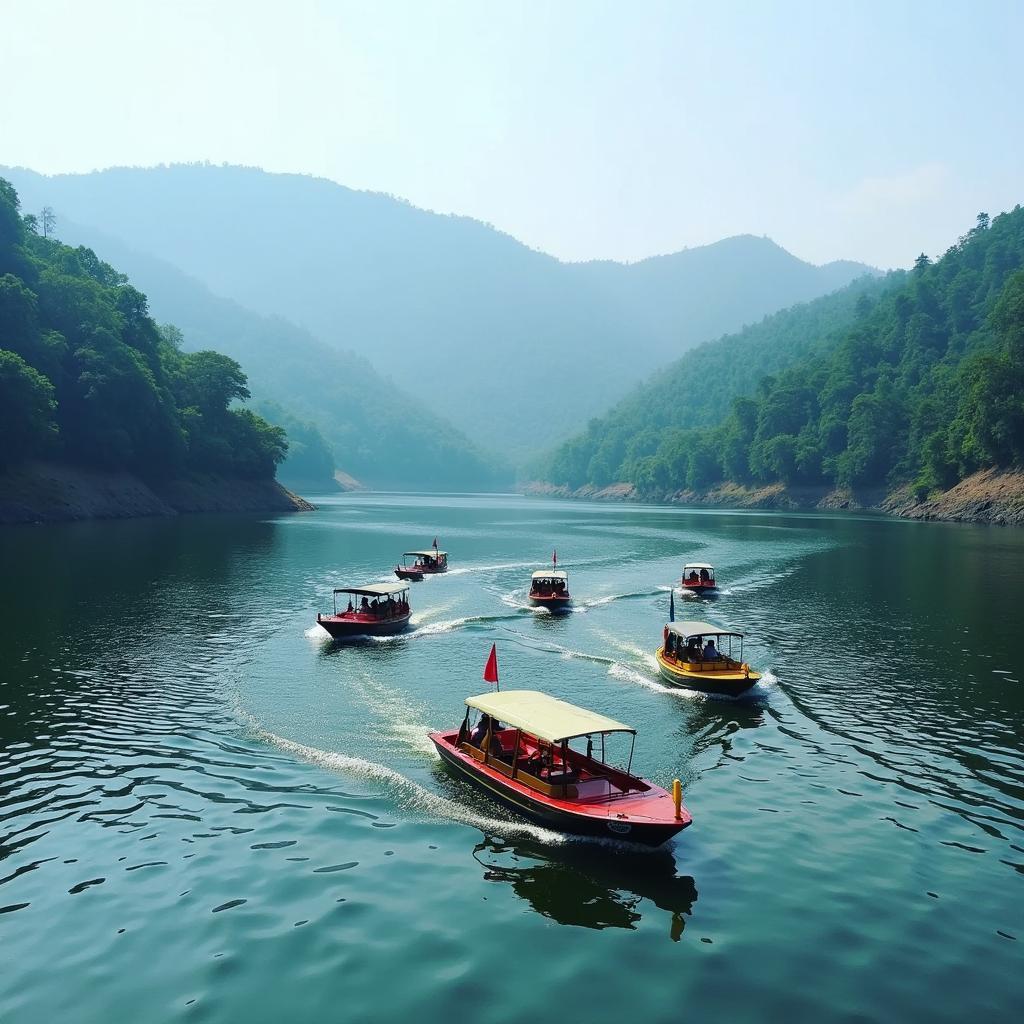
column 698, row 565
column 542, row 716
column 429, row 553
column 374, row 589
column 688, row 629
column 551, row 574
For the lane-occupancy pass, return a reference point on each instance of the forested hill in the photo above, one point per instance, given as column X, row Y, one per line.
column 474, row 323
column 376, row 433
column 87, row 378
column 698, row 389
column 924, row 384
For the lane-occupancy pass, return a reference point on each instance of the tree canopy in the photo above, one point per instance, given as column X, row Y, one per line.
column 86, row 376
column 917, row 379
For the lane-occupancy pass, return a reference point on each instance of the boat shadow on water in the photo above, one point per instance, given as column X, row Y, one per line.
column 713, row 723
column 587, row 884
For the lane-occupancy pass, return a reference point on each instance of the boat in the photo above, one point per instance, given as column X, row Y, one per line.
column 546, row 759
column 685, row 659
column 549, row 588
column 376, row 609
column 698, row 577
column 425, row 563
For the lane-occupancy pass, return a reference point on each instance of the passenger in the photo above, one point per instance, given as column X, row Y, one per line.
column 496, row 749
column 704, row 577
column 349, row 609
column 692, row 578
column 364, row 606
column 479, row 733
column 710, row 652
column 692, row 652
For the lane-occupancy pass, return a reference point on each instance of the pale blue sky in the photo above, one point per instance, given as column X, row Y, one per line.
column 864, row 130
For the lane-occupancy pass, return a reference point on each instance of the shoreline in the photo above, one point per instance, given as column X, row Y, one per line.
column 44, row 492
column 987, row 497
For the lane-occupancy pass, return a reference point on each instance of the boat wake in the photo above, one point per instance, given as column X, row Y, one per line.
column 463, row 569
column 410, row 796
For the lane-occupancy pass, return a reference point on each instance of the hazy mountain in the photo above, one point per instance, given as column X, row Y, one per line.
column 915, row 379
column 512, row 345
column 378, row 434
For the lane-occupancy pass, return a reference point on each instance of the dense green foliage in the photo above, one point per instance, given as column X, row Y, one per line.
column 470, row 321
column 698, row 389
column 926, row 384
column 86, row 376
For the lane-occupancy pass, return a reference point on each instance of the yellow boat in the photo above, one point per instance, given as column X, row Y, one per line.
column 690, row 656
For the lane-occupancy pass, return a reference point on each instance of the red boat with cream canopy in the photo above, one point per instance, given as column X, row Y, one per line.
column 379, row 609
column 524, row 755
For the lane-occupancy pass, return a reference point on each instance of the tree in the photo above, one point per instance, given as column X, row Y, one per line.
column 48, row 220
column 26, row 410
column 210, row 382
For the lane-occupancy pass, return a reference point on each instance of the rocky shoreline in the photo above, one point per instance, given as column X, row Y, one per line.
column 989, row 496
column 40, row 492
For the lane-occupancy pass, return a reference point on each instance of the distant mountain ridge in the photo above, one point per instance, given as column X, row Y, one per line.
column 378, row 435
column 511, row 345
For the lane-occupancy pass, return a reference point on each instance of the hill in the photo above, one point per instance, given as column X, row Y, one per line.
column 509, row 344
column 87, row 378
column 698, row 389
column 376, row 433
column 923, row 388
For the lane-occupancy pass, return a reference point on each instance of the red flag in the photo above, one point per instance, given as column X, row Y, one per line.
column 491, row 668
column 554, row 558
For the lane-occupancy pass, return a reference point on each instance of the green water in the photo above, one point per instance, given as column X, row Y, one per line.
column 207, row 812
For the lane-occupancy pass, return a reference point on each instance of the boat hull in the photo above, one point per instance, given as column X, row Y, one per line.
column 557, row 818
column 555, row 605
column 728, row 683
column 344, row 628
column 416, row 575
column 699, row 588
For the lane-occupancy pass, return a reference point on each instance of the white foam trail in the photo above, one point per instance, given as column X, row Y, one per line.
column 408, row 794
column 463, row 569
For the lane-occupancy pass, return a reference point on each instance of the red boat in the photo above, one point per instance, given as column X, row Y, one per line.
column 699, row 577
column 550, row 589
column 378, row 609
column 519, row 746
column 426, row 563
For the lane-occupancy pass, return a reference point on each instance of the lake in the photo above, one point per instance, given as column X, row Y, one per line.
column 209, row 812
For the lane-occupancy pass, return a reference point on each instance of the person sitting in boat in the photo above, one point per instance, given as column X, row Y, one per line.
column 364, row 605
column 692, row 652
column 692, row 578
column 350, row 609
column 710, row 651
column 479, row 733
column 704, row 577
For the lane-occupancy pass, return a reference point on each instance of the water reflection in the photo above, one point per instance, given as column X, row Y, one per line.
column 590, row 884
column 714, row 723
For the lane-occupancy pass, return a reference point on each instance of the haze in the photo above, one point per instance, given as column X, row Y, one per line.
column 587, row 130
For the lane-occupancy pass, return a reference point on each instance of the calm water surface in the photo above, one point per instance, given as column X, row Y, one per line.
column 208, row 812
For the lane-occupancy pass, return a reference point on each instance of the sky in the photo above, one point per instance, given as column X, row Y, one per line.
column 590, row 130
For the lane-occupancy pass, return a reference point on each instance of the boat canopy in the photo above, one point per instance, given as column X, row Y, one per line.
column 698, row 565
column 545, row 717
column 551, row 574
column 431, row 553
column 694, row 629
column 374, row 589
